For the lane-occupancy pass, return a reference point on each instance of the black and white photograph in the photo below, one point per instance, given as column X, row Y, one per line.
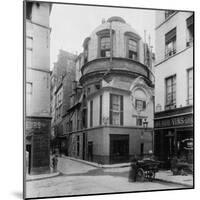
column 108, row 99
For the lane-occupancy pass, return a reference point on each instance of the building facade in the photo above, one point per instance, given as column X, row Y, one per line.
column 111, row 114
column 174, row 85
column 62, row 78
column 37, row 69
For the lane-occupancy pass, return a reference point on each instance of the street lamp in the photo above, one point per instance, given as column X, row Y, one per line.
column 145, row 124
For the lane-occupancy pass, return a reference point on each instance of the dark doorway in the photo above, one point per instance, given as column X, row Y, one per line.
column 141, row 149
column 119, row 148
column 90, row 151
column 28, row 149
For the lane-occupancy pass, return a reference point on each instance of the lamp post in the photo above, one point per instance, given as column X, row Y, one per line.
column 145, row 124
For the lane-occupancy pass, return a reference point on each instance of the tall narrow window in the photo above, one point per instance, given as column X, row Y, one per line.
column 132, row 49
column 86, row 54
column 170, row 43
column 116, row 109
column 171, row 92
column 91, row 113
column 105, row 47
column 190, row 86
column 190, row 30
column 100, row 110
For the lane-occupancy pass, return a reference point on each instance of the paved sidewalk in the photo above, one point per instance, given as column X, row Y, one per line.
column 41, row 176
column 167, row 176
column 162, row 175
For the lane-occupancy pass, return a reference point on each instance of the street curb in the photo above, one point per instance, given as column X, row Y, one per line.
column 173, row 182
column 45, row 177
column 96, row 164
column 125, row 165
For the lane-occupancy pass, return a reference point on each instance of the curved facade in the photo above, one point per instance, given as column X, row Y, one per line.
column 117, row 86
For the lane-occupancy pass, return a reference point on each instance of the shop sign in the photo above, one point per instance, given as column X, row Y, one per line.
column 174, row 121
column 35, row 125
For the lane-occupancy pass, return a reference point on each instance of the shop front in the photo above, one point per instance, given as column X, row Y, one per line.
column 37, row 144
column 174, row 135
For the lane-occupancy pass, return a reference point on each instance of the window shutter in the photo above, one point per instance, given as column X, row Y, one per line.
column 190, row 21
column 121, row 111
column 110, row 109
column 170, row 35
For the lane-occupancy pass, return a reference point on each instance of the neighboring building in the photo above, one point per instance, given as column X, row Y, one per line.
column 62, row 77
column 38, row 118
column 111, row 113
column 174, row 85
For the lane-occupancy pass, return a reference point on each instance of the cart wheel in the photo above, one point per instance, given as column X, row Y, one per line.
column 140, row 176
column 151, row 175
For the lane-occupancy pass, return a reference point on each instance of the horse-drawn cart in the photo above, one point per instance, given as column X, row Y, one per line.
column 146, row 169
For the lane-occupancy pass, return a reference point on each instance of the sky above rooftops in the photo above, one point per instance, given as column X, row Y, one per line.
column 71, row 24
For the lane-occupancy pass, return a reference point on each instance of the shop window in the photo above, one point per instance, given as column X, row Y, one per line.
column 116, row 109
column 140, row 104
column 170, row 43
column 171, row 92
column 91, row 113
column 29, row 88
column 190, row 86
column 132, row 49
column 168, row 13
column 190, row 30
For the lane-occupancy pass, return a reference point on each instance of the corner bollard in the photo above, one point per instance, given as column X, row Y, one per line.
column 133, row 170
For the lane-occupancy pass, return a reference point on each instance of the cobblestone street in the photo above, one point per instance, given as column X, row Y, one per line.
column 77, row 179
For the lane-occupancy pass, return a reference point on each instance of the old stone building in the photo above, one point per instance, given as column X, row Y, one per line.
column 37, row 71
column 111, row 114
column 174, row 85
column 62, row 78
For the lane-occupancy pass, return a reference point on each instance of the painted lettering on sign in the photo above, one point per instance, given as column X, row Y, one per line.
column 174, row 121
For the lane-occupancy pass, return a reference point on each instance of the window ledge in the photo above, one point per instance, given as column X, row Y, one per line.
column 177, row 53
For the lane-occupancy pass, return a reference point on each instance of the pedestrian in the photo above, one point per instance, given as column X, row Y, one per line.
column 55, row 162
column 133, row 170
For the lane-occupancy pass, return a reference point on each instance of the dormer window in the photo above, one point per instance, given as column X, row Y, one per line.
column 132, row 49
column 86, row 54
column 85, row 47
column 105, row 42
column 105, row 47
